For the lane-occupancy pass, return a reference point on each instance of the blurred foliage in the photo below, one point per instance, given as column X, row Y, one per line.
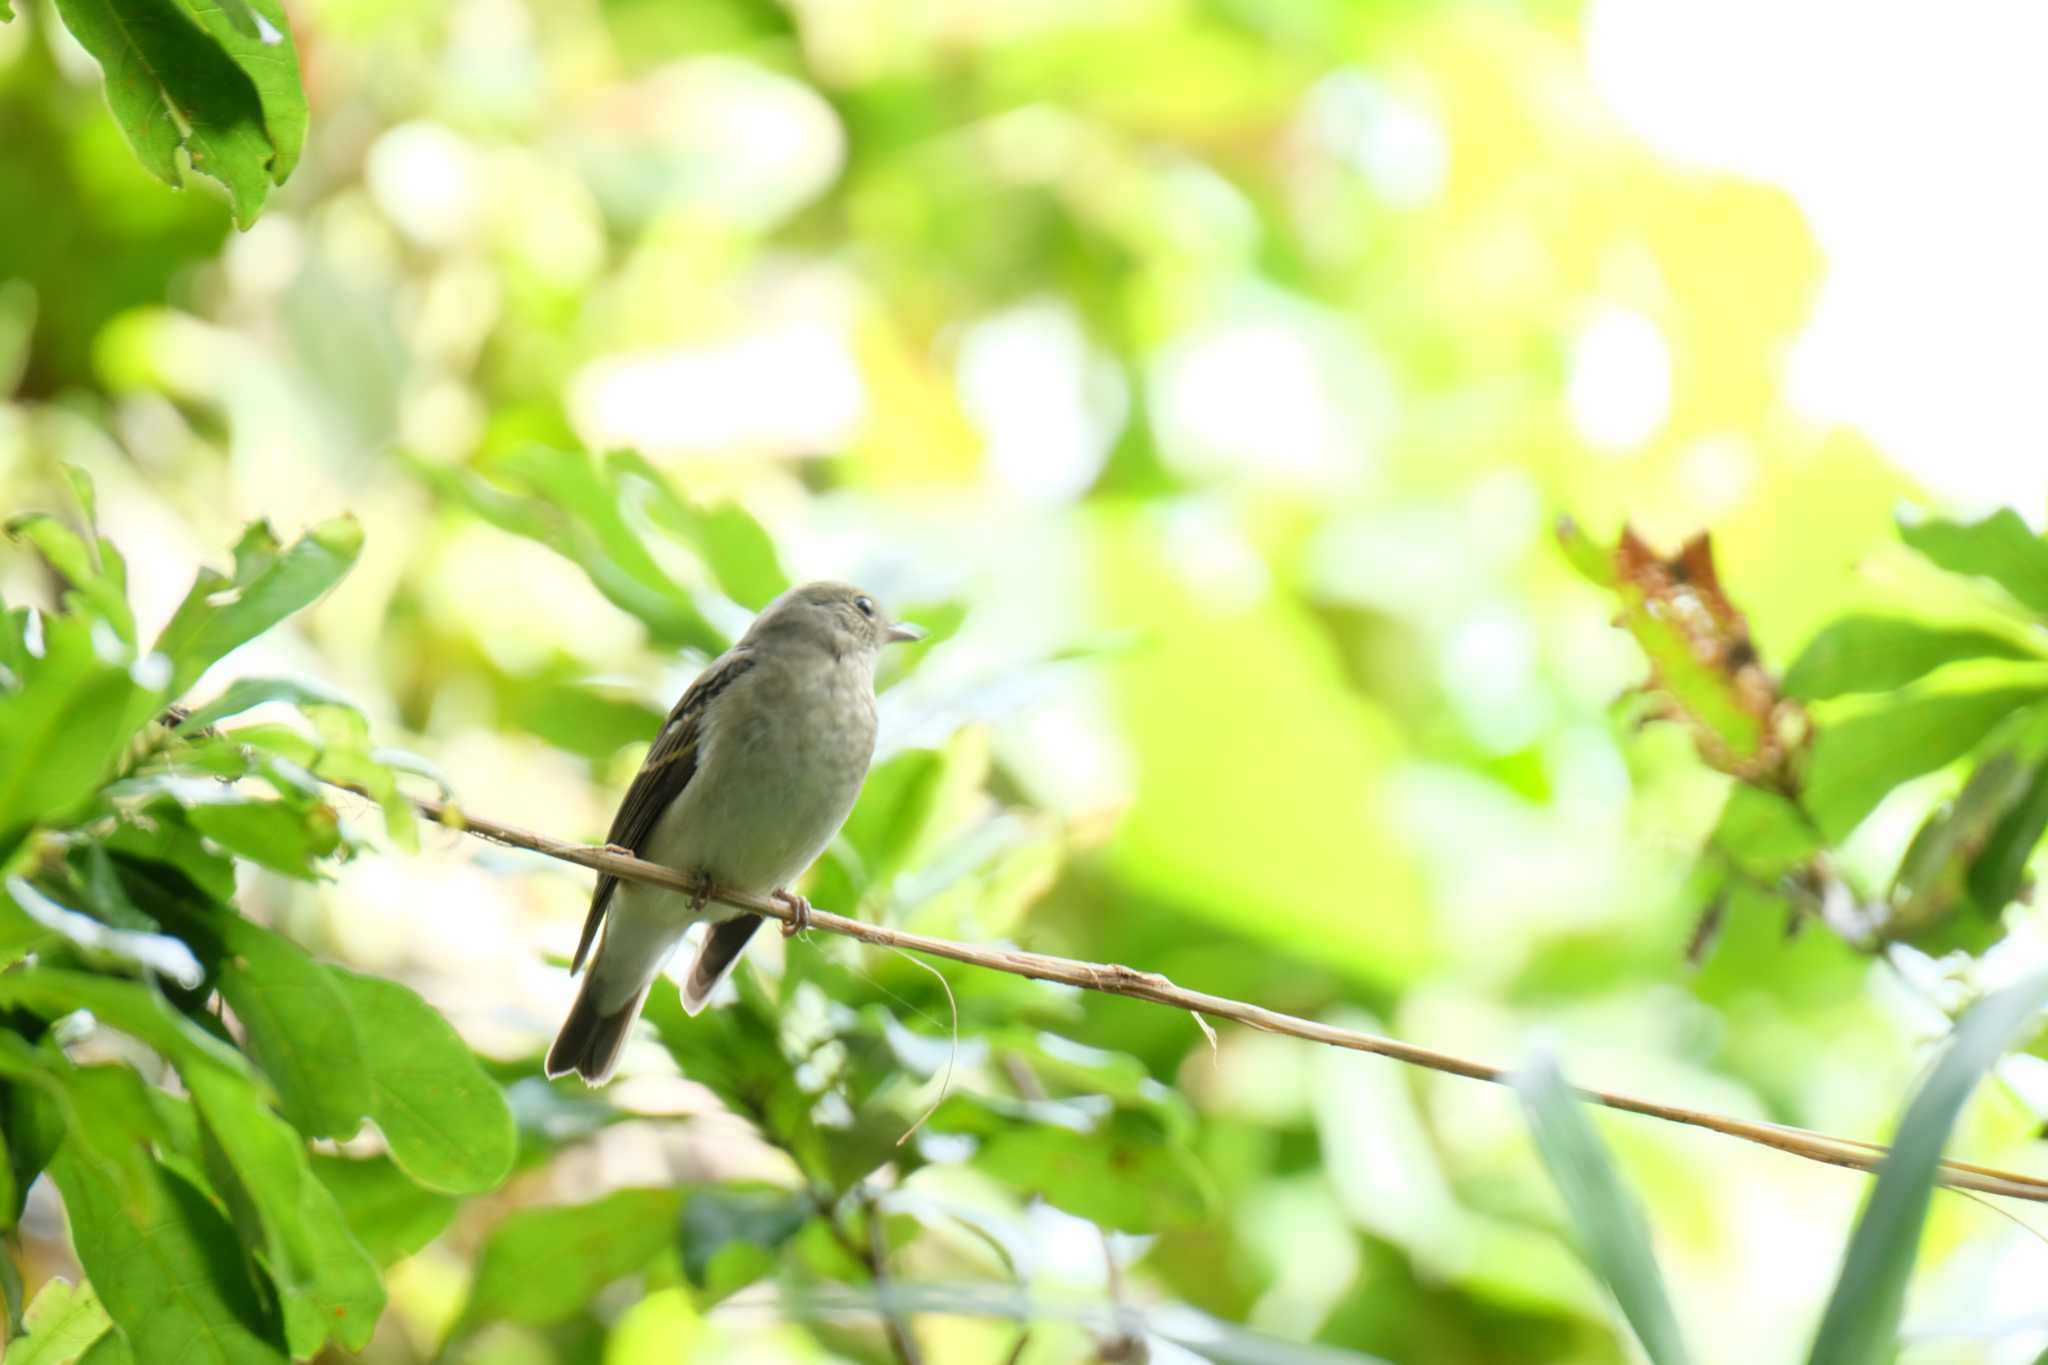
column 1201, row 374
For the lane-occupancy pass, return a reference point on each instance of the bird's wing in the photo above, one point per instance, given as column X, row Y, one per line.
column 669, row 766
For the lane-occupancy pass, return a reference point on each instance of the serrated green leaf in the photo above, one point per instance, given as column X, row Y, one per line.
column 1856, row 762
column 1876, row 654
column 300, row 1030
column 444, row 1118
column 62, row 730
column 270, row 583
column 542, row 1265
column 390, row 1215
column 1860, row 1326
column 170, row 87
column 285, row 837
column 1609, row 1220
column 62, row 1322
column 97, row 578
column 2001, row 548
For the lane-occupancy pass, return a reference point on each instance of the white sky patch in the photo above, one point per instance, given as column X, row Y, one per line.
column 1398, row 147
column 1619, row 391
column 1281, row 393
column 792, row 389
column 1048, row 406
column 1904, row 133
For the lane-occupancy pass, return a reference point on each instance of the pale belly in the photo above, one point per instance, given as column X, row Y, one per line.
column 770, row 793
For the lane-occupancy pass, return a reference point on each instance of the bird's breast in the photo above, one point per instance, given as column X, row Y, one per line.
column 784, row 753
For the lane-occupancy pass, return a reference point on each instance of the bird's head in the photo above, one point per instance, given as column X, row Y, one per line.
column 836, row 617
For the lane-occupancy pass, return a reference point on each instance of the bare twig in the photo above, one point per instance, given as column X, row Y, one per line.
column 1113, row 979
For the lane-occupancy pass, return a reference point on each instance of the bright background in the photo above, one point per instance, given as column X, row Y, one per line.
column 1229, row 362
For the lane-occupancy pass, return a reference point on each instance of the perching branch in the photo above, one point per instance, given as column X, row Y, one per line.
column 1113, row 979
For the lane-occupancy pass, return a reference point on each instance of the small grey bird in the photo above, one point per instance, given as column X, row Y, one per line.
column 755, row 770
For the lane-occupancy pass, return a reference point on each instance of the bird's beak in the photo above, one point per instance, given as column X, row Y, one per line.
column 902, row 631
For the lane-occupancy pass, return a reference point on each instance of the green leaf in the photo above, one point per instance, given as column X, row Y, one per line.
column 732, row 1233
column 166, row 1263
column 543, row 1265
column 61, row 732
column 170, row 87
column 1876, row 654
column 569, row 504
column 269, row 584
column 1125, row 1173
column 1763, row 833
column 1861, row 1324
column 62, row 1323
column 1856, row 762
column 283, row 836
column 390, row 1215
column 445, row 1119
column 2001, row 548
column 156, row 952
column 1933, row 874
column 300, row 1030
column 2000, row 869
column 739, row 552
column 331, row 1287
column 257, row 35
column 1609, row 1220
column 247, row 693
column 96, row 575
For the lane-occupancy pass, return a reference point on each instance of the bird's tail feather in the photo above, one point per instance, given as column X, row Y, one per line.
column 716, row 958
column 592, row 1037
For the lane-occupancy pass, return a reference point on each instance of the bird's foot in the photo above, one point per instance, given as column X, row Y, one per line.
column 700, row 896
column 799, row 913
column 619, row 850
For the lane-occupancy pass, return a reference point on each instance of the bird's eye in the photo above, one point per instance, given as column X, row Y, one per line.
column 866, row 605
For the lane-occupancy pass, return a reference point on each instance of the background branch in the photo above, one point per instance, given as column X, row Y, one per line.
column 1114, row 979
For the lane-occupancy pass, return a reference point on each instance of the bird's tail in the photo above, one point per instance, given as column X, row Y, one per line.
column 716, row 957
column 632, row 953
column 592, row 1037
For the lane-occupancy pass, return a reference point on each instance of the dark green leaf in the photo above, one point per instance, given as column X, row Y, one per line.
column 543, row 1265
column 390, row 1215
column 332, row 1289
column 61, row 1323
column 2000, row 548
column 1999, row 871
column 258, row 36
column 1876, row 654
column 300, row 1030
column 1609, row 1220
column 167, row 1265
column 171, row 86
column 1861, row 1324
column 269, row 584
column 1856, row 762
column 156, row 952
column 731, row 1234
column 445, row 1119
column 1932, row 876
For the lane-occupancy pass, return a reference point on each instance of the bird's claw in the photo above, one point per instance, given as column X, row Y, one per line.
column 799, row 913
column 701, row 895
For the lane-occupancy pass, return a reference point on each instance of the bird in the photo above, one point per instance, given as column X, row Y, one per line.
column 748, row 780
